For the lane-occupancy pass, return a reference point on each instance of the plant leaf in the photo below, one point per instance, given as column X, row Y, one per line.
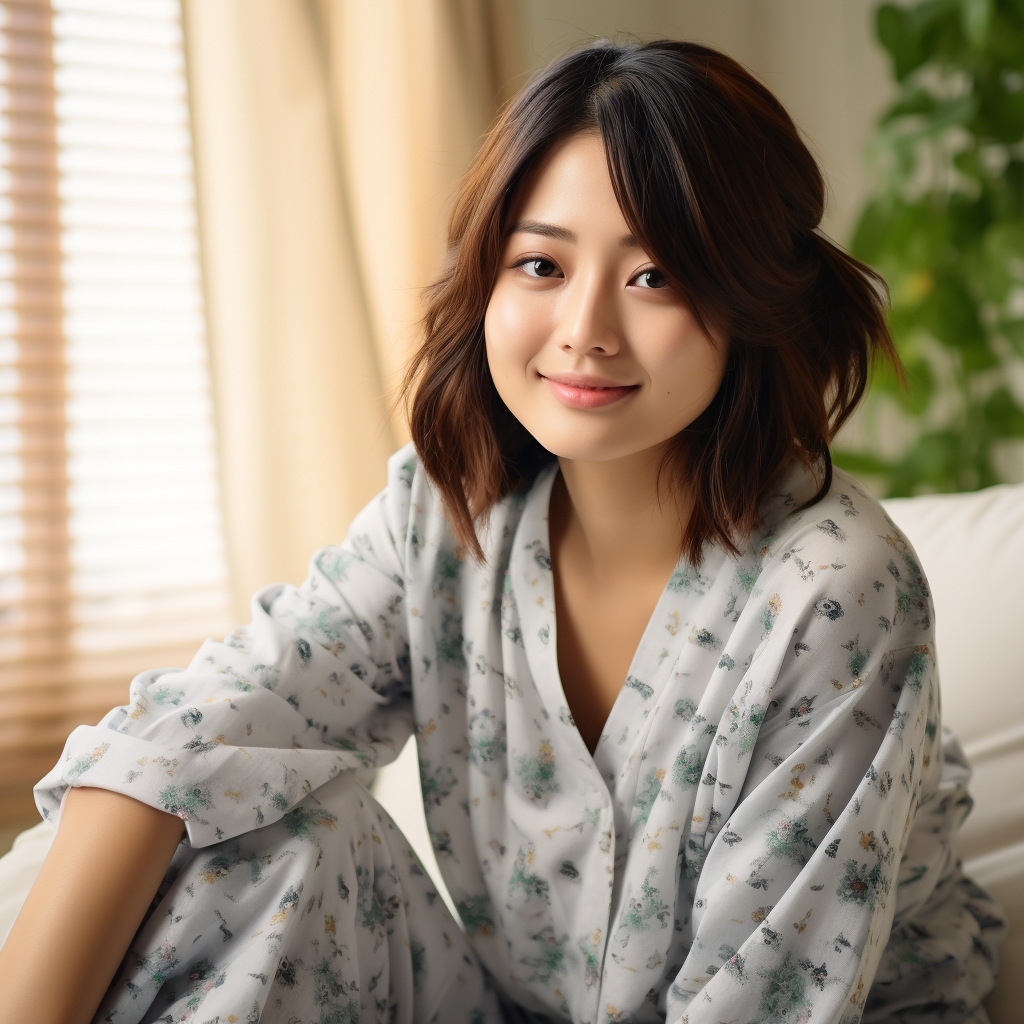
column 896, row 34
column 1003, row 415
column 976, row 16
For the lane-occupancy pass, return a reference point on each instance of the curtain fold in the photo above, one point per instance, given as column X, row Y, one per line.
column 414, row 85
column 301, row 425
column 329, row 136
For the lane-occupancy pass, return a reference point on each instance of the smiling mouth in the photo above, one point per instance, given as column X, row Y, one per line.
column 580, row 393
column 587, row 381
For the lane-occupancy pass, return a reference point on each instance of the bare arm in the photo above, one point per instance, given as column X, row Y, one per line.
column 106, row 863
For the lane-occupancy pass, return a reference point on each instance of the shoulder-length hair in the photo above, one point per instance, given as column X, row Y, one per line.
column 717, row 186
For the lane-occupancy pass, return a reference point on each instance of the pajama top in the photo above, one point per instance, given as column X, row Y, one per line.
column 766, row 797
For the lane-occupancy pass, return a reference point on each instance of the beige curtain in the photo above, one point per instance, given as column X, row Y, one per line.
column 413, row 85
column 329, row 135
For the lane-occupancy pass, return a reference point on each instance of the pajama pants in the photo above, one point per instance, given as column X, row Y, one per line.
column 325, row 916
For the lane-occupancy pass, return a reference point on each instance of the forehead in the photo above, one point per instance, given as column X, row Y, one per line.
column 571, row 183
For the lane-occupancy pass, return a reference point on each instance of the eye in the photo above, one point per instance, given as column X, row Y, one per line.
column 536, row 266
column 650, row 278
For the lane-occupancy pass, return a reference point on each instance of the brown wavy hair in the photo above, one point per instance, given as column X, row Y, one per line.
column 717, row 186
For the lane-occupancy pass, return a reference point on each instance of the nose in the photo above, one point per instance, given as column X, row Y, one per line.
column 590, row 323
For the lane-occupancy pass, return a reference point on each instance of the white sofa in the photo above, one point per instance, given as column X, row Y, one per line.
column 972, row 549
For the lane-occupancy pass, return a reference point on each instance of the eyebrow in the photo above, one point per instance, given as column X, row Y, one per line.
column 538, row 227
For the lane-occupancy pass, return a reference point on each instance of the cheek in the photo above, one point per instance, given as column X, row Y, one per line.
column 515, row 329
column 680, row 358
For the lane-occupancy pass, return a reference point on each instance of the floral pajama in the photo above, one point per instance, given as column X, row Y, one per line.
column 326, row 915
column 764, row 833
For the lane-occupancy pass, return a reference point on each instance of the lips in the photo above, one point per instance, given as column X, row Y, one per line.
column 587, row 381
column 581, row 391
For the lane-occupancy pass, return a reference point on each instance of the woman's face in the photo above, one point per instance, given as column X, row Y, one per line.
column 587, row 346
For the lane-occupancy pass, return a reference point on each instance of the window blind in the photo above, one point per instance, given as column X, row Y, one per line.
column 111, row 553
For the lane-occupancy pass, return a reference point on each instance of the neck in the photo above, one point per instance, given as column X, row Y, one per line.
column 613, row 518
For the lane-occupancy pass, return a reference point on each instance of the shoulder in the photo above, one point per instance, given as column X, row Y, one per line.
column 408, row 484
column 407, row 504
column 843, row 557
column 842, row 608
column 846, row 529
column 414, row 512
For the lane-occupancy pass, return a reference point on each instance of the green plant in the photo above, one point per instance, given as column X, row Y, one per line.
column 945, row 227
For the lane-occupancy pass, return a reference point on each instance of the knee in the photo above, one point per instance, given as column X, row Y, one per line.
column 341, row 805
column 340, row 825
column 341, row 812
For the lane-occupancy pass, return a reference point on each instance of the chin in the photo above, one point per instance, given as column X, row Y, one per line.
column 580, row 445
column 581, row 453
column 602, row 442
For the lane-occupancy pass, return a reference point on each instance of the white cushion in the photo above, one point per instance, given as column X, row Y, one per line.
column 18, row 870
column 971, row 547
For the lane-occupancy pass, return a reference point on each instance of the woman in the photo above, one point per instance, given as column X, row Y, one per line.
column 634, row 360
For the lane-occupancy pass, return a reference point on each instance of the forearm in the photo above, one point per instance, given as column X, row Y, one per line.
column 106, row 863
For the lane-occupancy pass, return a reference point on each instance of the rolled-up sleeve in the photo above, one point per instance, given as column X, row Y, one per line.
column 316, row 684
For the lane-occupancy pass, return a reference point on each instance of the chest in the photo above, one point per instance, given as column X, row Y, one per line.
column 600, row 625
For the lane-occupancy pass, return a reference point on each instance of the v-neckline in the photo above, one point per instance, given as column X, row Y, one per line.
column 598, row 756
